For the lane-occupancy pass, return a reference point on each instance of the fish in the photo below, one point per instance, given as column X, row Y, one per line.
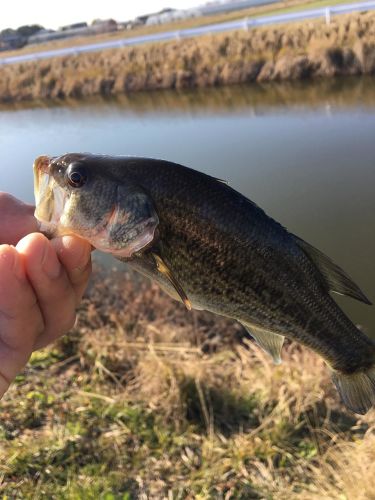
column 213, row 249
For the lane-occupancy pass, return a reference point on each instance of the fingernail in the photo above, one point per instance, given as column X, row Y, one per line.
column 84, row 260
column 82, row 250
column 85, row 255
column 50, row 263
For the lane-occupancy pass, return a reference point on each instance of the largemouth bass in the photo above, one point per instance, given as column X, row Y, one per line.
column 211, row 248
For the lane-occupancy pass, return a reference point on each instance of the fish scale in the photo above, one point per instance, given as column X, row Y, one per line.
column 214, row 249
column 247, row 257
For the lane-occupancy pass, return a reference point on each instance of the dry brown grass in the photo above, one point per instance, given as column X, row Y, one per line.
column 145, row 400
column 173, row 26
column 346, row 47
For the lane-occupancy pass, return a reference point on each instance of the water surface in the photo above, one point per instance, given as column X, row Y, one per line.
column 304, row 153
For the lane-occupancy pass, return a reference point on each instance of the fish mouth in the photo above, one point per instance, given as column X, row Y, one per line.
column 49, row 197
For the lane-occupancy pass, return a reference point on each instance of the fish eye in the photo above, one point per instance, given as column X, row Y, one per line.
column 76, row 175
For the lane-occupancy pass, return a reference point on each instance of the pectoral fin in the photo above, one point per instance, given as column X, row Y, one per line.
column 164, row 269
column 268, row 341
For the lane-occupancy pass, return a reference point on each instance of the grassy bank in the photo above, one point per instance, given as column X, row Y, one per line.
column 279, row 7
column 297, row 51
column 145, row 400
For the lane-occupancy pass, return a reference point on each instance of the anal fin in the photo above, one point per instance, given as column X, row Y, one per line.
column 269, row 341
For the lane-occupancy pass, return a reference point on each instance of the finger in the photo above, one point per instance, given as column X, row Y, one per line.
column 75, row 255
column 17, row 219
column 52, row 287
column 20, row 318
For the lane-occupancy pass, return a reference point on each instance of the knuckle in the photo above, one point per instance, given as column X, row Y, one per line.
column 61, row 323
column 5, row 199
column 59, row 307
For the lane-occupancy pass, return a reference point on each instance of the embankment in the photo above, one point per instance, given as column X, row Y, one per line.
column 285, row 52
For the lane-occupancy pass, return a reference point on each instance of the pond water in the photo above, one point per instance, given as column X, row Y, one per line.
column 304, row 153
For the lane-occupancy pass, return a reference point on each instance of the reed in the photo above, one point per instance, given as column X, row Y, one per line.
column 287, row 52
column 145, row 400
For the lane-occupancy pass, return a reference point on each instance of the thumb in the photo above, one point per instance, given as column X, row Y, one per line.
column 75, row 255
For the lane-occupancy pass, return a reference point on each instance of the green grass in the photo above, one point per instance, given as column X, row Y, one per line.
column 127, row 406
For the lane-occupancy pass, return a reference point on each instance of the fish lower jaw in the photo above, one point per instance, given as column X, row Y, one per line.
column 48, row 229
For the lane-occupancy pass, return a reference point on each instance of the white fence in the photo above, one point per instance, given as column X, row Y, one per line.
column 246, row 24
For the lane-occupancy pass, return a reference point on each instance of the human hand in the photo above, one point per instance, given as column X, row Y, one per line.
column 17, row 219
column 41, row 284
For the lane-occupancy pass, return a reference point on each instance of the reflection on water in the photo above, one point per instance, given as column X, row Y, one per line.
column 325, row 93
column 305, row 153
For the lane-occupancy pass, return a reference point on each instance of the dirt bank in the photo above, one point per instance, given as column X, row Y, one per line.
column 293, row 52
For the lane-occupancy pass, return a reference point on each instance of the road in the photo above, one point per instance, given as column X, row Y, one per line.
column 246, row 23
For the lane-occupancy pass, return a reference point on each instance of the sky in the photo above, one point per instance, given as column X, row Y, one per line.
column 52, row 14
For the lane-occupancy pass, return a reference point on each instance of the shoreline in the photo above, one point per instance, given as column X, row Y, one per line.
column 298, row 51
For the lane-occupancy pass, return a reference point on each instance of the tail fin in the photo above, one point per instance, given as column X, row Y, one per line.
column 357, row 390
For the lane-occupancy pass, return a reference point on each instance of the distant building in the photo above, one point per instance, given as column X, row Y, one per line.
column 80, row 29
column 42, row 36
column 73, row 26
column 139, row 20
column 104, row 25
column 129, row 25
column 48, row 36
column 231, row 5
column 172, row 15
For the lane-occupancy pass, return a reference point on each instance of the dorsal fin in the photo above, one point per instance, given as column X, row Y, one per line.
column 223, row 181
column 336, row 279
